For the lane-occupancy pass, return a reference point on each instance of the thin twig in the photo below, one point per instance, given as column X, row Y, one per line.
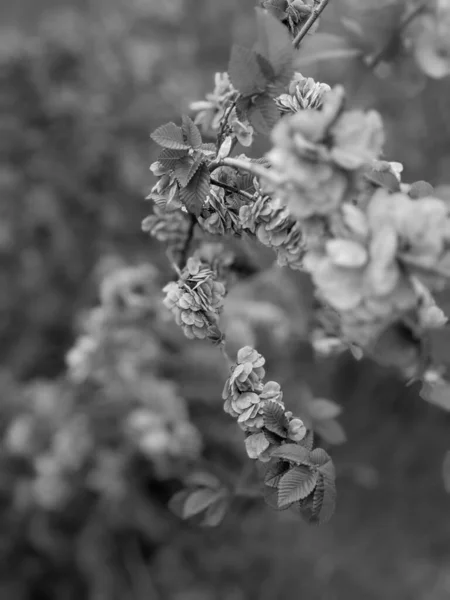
column 315, row 14
column 375, row 59
column 232, row 189
column 250, row 167
column 224, row 122
column 185, row 250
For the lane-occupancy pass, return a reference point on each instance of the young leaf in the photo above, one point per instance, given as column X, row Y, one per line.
column 186, row 168
column 176, row 503
column 245, row 72
column 202, row 479
column 319, row 457
column 293, row 453
column 271, row 499
column 322, row 408
column 256, row 444
column 264, row 114
column 277, row 8
column 198, row 501
column 384, row 179
column 420, row 189
column 275, row 45
column 191, row 132
column 331, row 431
column 308, row 441
column 274, row 418
column 295, row 485
column 170, row 136
column 275, row 472
column 195, row 193
column 215, row 513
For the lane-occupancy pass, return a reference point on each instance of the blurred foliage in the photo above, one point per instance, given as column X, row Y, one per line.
column 82, row 92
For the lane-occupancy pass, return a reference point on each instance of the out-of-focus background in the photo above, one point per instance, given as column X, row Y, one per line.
column 86, row 470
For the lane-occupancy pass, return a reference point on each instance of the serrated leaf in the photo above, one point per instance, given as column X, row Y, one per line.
column 293, row 453
column 331, row 431
column 296, row 484
column 274, row 418
column 208, row 149
column 322, row 408
column 273, row 438
column 198, row 501
column 195, row 193
column 169, row 158
column 319, row 457
column 245, row 72
column 170, row 136
column 308, row 441
column 324, row 504
column 264, row 114
column 275, row 45
column 274, row 473
column 215, row 513
column 186, row 168
column 191, row 132
column 256, row 444
column 271, row 498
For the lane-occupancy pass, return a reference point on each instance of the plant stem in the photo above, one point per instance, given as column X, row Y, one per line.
column 315, row 14
column 375, row 59
column 232, row 189
column 185, row 250
column 249, row 167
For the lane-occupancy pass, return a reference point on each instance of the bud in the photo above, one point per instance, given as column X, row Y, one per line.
column 296, row 430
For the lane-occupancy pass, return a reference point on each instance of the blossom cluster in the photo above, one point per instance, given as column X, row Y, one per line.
column 303, row 93
column 196, row 300
column 246, row 396
column 366, row 247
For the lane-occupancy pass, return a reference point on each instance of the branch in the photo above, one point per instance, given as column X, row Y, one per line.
column 185, row 250
column 315, row 14
column 375, row 59
column 250, row 167
column 232, row 189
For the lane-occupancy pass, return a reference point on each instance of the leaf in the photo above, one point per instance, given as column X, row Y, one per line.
column 325, row 46
column 384, row 179
column 274, row 418
column 271, row 499
column 420, row 189
column 208, row 149
column 308, row 441
column 437, row 393
column 170, row 136
column 322, row 408
column 215, row 513
column 169, row 158
column 176, row 503
column 319, row 457
column 245, row 72
column 324, row 500
column 199, row 500
column 256, row 444
column 202, row 479
column 195, row 193
column 191, row 132
column 274, row 473
column 274, row 44
column 187, row 167
column 293, row 453
column 331, row 431
column 277, row 8
column 295, row 485
column 264, row 114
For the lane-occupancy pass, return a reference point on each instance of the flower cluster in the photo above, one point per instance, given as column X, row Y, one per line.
column 318, row 155
column 220, row 214
column 304, row 93
column 196, row 300
column 269, row 219
column 248, row 398
column 168, row 227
